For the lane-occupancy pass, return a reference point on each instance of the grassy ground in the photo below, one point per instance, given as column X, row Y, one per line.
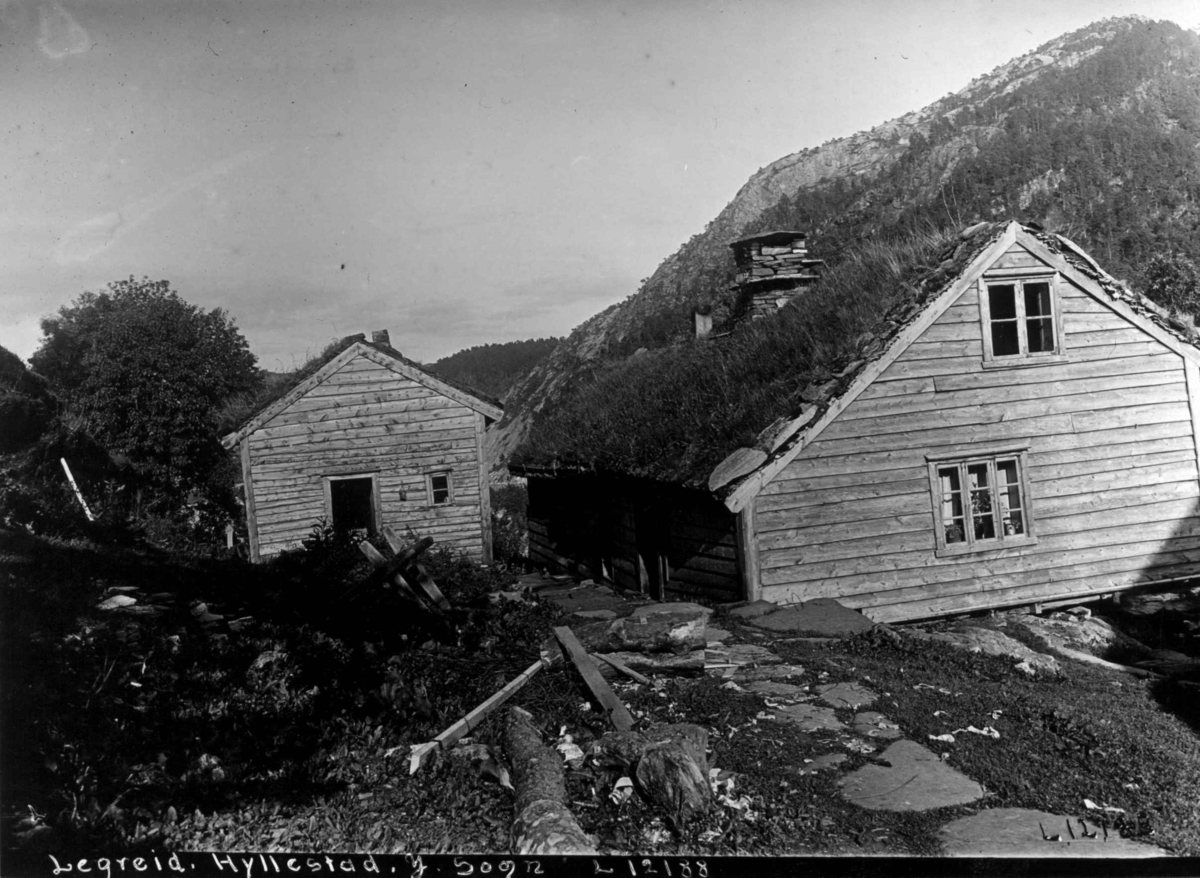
column 128, row 732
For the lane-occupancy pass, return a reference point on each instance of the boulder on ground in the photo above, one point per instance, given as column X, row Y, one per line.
column 672, row 627
column 1089, row 634
column 669, row 761
column 990, row 642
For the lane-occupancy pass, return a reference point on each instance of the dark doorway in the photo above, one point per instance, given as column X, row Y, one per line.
column 352, row 504
column 652, row 542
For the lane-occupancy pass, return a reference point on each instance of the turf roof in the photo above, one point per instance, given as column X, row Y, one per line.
column 672, row 415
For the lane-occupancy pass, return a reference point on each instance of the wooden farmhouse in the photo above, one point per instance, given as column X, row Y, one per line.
column 368, row 439
column 1018, row 429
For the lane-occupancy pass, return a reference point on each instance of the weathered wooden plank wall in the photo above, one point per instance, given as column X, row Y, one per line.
column 585, row 522
column 1112, row 469
column 702, row 552
column 367, row 419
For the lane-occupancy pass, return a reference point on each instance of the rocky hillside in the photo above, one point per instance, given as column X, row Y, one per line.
column 1094, row 135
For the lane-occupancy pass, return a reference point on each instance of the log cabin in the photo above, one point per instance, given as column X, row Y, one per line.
column 1011, row 427
column 368, row 438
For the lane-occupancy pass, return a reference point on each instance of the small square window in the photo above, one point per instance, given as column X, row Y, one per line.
column 1020, row 320
column 440, row 489
column 980, row 503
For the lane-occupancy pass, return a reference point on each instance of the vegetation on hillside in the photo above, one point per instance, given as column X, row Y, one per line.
column 495, row 368
column 1101, row 148
column 677, row 412
column 143, row 372
column 1103, row 151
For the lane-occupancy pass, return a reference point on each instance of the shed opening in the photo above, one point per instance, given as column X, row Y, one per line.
column 352, row 504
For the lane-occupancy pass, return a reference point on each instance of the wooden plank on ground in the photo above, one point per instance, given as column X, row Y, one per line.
column 622, row 667
column 622, row 720
column 421, row 752
column 373, row 555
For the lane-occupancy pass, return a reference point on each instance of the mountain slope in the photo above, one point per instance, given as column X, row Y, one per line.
column 1094, row 135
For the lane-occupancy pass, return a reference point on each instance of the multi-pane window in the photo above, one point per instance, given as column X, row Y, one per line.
column 1020, row 318
column 981, row 503
column 440, row 490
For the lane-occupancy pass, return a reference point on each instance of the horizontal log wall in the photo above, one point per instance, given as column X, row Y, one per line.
column 1112, row 470
column 585, row 523
column 367, row 419
column 559, row 525
column 702, row 551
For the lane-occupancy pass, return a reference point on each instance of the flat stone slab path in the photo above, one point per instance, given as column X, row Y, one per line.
column 913, row 780
column 809, row 717
column 875, row 725
column 1017, row 832
column 777, row 689
column 823, row 617
column 851, row 695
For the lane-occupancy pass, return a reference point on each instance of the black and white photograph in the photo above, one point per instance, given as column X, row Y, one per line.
column 674, row 439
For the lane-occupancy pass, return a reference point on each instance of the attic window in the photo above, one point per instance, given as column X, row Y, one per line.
column 441, row 490
column 980, row 502
column 1020, row 320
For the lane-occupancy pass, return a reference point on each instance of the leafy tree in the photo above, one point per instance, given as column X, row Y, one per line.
column 1173, row 281
column 145, row 372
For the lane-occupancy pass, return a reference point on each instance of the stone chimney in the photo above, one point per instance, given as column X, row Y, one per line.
column 702, row 320
column 380, row 336
column 772, row 269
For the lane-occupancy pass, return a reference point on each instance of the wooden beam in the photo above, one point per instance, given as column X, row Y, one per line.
column 251, row 512
column 1192, row 373
column 421, row 752
column 748, row 552
column 485, row 496
column 621, row 666
column 621, row 719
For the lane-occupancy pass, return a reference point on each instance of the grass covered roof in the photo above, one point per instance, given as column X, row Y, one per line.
column 675, row 413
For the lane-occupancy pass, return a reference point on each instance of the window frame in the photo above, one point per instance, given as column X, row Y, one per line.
column 1023, row 358
column 429, row 477
column 992, row 456
column 376, row 505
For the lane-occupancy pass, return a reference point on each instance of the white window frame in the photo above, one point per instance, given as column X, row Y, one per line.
column 429, row 477
column 1018, row 279
column 962, row 458
column 376, row 506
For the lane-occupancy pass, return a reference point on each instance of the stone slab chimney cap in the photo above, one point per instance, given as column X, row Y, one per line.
column 380, row 336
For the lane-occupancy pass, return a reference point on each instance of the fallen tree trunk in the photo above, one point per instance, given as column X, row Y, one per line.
column 543, row 824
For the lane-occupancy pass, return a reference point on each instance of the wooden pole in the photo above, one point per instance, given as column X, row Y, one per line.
column 421, row 752
column 75, row 487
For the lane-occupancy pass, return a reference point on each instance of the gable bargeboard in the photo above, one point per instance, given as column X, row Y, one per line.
column 366, row 417
column 1109, row 468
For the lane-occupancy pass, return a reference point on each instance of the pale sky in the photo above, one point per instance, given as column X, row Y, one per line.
column 456, row 172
